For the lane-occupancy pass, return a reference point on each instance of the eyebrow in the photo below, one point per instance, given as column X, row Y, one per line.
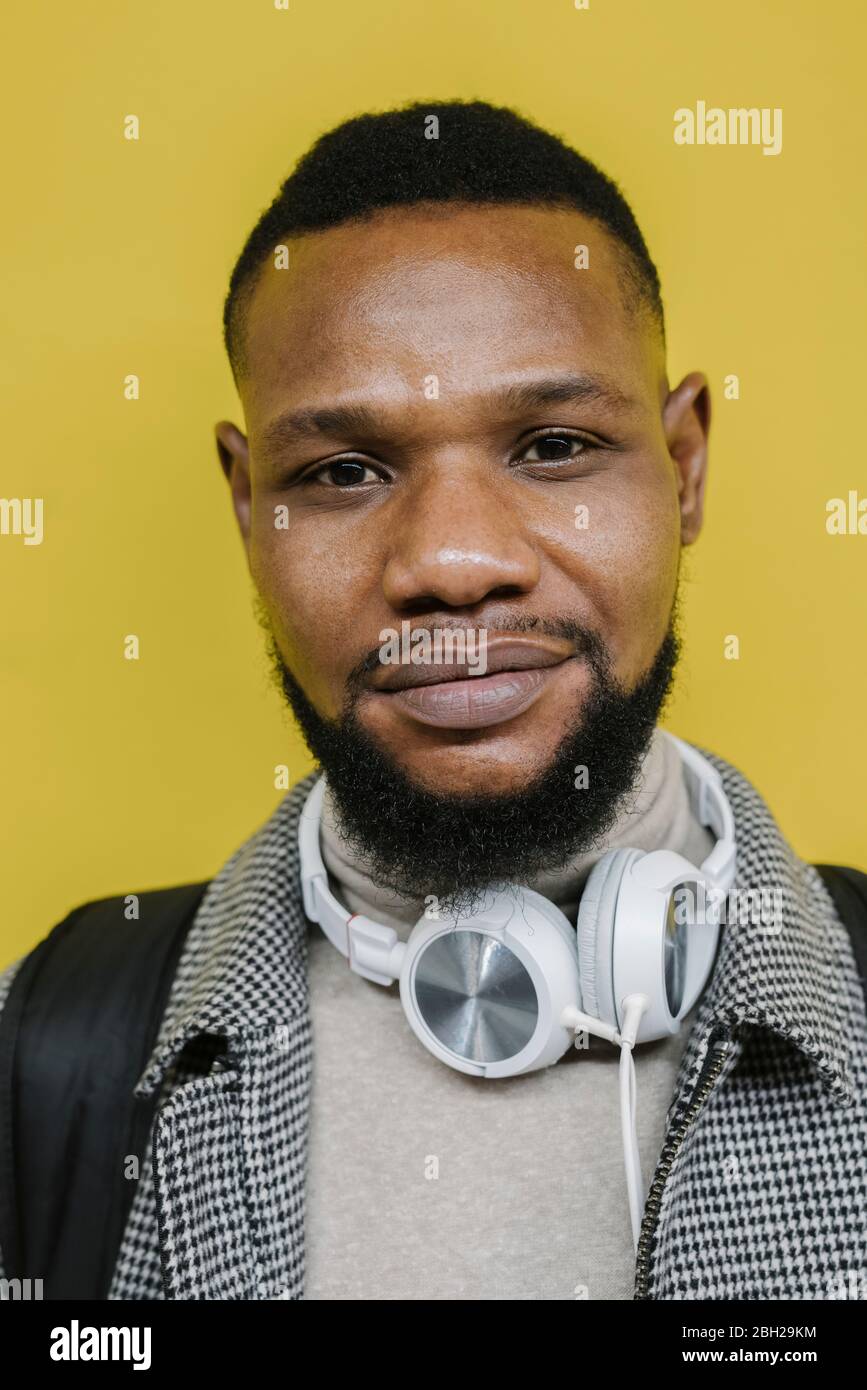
column 358, row 419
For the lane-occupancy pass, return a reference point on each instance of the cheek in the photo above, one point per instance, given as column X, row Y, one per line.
column 311, row 600
column 623, row 559
column 646, row 553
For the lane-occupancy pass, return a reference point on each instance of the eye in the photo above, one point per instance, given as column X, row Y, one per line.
column 344, row 473
column 554, row 448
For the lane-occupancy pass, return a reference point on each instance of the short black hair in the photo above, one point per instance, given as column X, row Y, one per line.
column 482, row 154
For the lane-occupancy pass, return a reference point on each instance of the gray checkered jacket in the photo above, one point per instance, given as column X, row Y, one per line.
column 759, row 1191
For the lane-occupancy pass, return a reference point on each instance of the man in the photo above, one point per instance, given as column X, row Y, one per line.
column 447, row 335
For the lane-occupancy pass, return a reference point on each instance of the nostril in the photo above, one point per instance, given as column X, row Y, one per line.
column 507, row 591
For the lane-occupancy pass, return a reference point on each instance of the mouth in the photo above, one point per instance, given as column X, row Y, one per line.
column 449, row 696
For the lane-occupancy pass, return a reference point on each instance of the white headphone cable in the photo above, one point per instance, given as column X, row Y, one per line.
column 634, row 1006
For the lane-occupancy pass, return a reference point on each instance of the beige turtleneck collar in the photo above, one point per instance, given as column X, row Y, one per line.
column 658, row 815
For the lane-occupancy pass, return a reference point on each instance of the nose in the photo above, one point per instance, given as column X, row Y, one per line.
column 456, row 543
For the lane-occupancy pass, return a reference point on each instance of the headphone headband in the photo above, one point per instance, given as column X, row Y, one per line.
column 711, row 808
column 320, row 903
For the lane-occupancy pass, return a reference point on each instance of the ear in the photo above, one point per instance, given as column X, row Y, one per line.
column 686, row 422
column 234, row 455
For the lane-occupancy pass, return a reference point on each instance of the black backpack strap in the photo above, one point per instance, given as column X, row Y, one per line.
column 848, row 889
column 79, row 1025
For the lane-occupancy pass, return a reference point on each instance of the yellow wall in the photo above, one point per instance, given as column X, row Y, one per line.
column 123, row 775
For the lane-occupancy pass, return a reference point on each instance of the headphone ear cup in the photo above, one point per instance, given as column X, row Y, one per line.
column 595, row 928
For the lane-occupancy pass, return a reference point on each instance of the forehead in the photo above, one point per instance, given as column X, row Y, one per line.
column 460, row 291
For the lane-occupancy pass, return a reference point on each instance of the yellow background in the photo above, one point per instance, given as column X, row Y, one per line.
column 121, row 775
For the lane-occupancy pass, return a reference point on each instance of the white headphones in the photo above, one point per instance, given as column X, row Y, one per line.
column 504, row 989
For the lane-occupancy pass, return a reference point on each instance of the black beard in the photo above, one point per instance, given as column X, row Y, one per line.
column 418, row 843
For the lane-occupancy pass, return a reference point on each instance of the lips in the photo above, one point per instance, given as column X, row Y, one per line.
column 474, row 704
column 448, row 696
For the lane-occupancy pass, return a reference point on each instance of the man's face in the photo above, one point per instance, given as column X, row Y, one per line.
column 460, row 391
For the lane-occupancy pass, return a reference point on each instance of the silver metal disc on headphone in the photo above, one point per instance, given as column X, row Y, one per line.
column 475, row 996
column 675, row 953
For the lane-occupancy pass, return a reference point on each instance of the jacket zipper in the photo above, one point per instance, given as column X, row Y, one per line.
column 718, row 1049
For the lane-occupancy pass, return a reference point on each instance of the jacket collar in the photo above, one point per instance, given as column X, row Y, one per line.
column 244, row 967
column 244, row 964
column 783, row 974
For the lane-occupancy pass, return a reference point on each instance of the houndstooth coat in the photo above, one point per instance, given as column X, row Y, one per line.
column 759, row 1192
